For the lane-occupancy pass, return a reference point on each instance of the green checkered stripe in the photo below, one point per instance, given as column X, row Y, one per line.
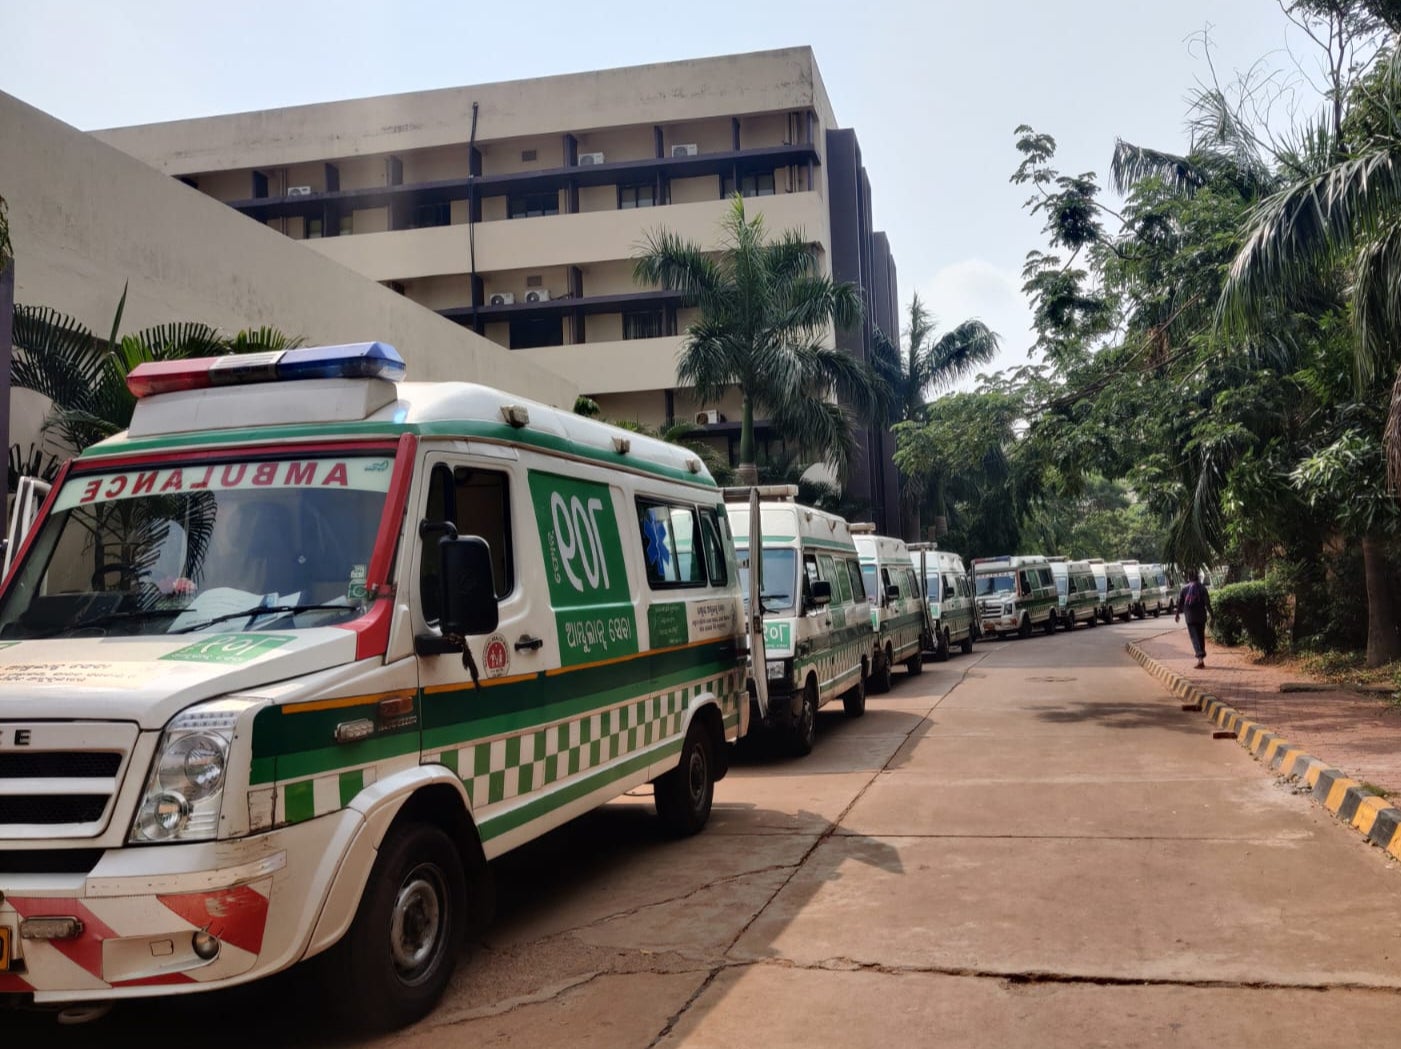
column 835, row 664
column 506, row 767
column 902, row 633
column 302, row 799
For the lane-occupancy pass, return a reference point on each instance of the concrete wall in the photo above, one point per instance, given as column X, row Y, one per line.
column 85, row 218
column 679, row 93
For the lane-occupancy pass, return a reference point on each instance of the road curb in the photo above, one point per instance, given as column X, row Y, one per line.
column 1371, row 816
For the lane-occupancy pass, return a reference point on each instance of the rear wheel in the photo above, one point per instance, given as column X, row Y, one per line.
column 1050, row 624
column 804, row 732
column 1024, row 627
column 684, row 795
column 941, row 645
column 854, row 698
column 915, row 664
column 882, row 679
column 1093, row 621
column 1068, row 621
column 967, row 643
column 394, row 962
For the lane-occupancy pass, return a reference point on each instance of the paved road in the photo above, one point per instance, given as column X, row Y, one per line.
column 1030, row 846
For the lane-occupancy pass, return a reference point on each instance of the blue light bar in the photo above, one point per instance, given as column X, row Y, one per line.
column 357, row 360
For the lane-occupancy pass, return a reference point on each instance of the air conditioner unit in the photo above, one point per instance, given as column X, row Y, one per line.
column 706, row 416
column 299, row 191
column 588, row 159
column 537, row 295
column 684, row 149
column 502, row 298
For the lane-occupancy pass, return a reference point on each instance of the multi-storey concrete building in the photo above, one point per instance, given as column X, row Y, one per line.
column 516, row 209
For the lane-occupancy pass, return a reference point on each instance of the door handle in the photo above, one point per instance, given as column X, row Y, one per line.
column 527, row 643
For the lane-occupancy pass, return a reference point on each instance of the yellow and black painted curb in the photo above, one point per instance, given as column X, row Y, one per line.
column 1373, row 817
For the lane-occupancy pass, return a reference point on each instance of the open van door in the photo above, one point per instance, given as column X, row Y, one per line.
column 29, row 497
column 758, row 661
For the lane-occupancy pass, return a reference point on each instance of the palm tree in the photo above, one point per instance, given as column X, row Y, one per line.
column 1346, row 218
column 766, row 310
column 928, row 365
column 85, row 377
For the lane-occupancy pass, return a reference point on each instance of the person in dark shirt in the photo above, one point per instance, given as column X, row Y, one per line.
column 1194, row 602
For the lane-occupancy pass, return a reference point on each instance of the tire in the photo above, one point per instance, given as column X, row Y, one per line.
column 1050, row 626
column 915, row 664
column 395, row 960
column 882, row 679
column 1068, row 621
column 803, row 735
column 1024, row 627
column 854, row 698
column 1126, row 616
column 1092, row 622
column 1154, row 613
column 684, row 795
column 941, row 645
column 967, row 643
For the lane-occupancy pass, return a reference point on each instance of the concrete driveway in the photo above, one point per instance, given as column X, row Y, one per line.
column 1029, row 846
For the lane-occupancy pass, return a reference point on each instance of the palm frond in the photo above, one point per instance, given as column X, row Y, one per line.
column 960, row 352
column 1132, row 164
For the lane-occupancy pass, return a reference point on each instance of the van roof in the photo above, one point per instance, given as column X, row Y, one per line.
column 792, row 524
column 318, row 409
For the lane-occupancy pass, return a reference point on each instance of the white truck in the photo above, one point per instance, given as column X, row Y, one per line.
column 283, row 666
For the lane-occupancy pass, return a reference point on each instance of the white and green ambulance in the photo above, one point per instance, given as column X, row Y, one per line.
column 897, row 607
column 283, row 666
column 816, row 616
column 1014, row 595
column 1077, row 593
column 949, row 596
column 1115, row 596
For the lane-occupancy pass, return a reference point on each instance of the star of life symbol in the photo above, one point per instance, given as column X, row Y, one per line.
column 654, row 532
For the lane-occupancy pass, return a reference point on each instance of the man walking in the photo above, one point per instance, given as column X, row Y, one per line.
column 1195, row 603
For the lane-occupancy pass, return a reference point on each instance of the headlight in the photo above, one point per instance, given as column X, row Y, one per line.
column 185, row 789
column 776, row 670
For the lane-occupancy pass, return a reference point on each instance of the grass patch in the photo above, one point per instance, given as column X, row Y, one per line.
column 1380, row 792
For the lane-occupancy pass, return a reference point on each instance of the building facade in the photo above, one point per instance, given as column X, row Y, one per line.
column 516, row 210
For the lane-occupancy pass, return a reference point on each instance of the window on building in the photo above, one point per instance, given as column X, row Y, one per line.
column 532, row 205
column 670, row 546
column 314, row 229
column 639, row 196
column 761, row 185
column 530, row 332
column 428, row 215
column 644, row 324
column 478, row 503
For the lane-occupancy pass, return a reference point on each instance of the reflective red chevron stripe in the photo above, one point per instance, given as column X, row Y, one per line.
column 85, row 950
column 237, row 916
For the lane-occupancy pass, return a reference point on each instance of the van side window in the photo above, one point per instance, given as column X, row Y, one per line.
column 858, row 585
column 810, row 567
column 669, row 544
column 478, row 503
column 714, row 548
column 952, row 588
column 841, row 583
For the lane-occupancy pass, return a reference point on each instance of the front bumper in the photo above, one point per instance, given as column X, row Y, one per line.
column 141, row 907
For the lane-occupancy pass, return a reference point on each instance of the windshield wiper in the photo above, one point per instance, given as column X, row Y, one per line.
column 258, row 611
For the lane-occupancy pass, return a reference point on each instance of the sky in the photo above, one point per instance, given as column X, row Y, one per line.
column 934, row 89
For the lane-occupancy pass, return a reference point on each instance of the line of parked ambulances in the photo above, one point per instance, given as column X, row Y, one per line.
column 286, row 664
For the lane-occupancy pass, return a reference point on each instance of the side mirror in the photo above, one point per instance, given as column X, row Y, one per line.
column 468, row 596
column 821, row 592
column 892, row 593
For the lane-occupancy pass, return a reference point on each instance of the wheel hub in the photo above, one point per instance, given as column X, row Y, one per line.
column 416, row 923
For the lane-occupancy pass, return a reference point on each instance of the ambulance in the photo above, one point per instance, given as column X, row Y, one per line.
column 1014, row 595
column 948, row 594
column 1115, row 596
column 816, row 617
column 1076, row 591
column 285, row 664
column 897, row 611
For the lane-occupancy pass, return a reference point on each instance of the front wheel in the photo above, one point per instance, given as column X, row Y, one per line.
column 393, row 964
column 684, row 795
column 804, row 732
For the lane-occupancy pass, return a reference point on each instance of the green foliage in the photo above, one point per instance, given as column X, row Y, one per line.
column 85, row 377
column 7, row 253
column 766, row 311
column 1258, row 606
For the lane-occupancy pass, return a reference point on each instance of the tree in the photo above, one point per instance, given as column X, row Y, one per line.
column 927, row 365
column 766, row 310
column 85, row 377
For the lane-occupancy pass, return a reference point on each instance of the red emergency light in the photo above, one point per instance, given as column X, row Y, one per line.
column 362, row 360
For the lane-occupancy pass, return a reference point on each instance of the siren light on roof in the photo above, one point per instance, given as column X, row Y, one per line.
column 360, row 360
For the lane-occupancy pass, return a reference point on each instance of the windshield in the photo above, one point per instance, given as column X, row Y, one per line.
column 254, row 544
column 1062, row 587
column 997, row 584
column 868, row 576
column 780, row 578
column 932, row 587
